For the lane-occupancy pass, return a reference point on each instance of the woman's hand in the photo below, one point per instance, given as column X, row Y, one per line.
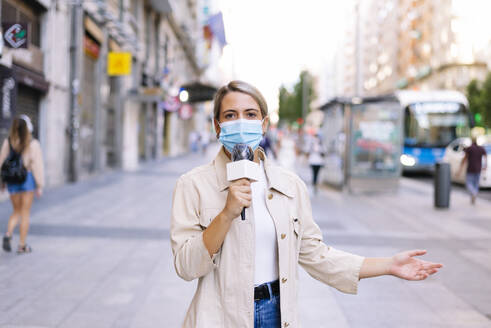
column 239, row 196
column 404, row 265
column 39, row 192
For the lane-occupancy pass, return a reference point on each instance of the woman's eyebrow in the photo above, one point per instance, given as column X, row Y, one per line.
column 253, row 109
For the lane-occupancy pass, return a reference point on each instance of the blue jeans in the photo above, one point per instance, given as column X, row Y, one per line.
column 472, row 183
column 267, row 312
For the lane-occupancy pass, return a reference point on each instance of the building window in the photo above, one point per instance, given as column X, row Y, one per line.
column 9, row 12
column 14, row 11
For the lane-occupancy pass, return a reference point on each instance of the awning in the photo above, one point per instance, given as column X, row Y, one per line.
column 199, row 92
column 356, row 100
column 30, row 78
column 146, row 95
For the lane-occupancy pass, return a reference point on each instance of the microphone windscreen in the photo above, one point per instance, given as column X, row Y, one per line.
column 242, row 151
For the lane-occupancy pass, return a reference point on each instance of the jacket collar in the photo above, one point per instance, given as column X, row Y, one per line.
column 275, row 179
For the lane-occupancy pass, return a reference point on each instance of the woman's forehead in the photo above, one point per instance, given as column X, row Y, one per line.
column 239, row 101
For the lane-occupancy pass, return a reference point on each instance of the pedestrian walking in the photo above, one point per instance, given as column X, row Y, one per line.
column 247, row 270
column 23, row 175
column 316, row 153
column 194, row 141
column 267, row 146
column 475, row 156
column 205, row 140
column 302, row 143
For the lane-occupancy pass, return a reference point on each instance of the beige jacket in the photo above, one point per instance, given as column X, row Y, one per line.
column 32, row 158
column 225, row 293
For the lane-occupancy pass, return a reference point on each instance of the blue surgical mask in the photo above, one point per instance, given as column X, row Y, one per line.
column 249, row 132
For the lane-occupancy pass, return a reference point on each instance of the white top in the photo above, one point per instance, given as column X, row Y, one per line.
column 315, row 153
column 266, row 258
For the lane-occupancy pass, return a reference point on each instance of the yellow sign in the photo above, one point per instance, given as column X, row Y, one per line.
column 119, row 63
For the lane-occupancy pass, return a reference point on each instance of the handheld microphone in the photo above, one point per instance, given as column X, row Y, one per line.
column 242, row 151
column 242, row 166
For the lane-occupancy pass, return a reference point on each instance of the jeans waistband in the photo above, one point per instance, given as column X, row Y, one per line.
column 267, row 290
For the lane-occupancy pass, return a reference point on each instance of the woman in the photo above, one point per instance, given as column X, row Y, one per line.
column 247, row 269
column 316, row 158
column 21, row 142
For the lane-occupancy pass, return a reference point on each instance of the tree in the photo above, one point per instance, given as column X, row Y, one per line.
column 479, row 97
column 485, row 101
column 290, row 109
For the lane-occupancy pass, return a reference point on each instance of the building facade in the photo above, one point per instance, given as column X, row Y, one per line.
column 416, row 44
column 40, row 85
column 87, row 120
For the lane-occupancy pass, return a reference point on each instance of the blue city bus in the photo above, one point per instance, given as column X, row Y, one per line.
column 432, row 119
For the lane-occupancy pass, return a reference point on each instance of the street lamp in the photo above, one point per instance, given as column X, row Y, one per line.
column 183, row 96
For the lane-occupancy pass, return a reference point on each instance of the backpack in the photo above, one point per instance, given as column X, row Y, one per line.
column 13, row 170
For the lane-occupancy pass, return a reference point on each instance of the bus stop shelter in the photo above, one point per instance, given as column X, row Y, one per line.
column 363, row 138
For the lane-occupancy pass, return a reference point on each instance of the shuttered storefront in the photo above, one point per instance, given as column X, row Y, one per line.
column 87, row 117
column 88, row 106
column 28, row 104
column 113, row 124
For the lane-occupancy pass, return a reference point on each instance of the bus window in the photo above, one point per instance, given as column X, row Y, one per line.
column 434, row 126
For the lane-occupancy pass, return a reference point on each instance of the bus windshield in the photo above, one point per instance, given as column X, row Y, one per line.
column 434, row 124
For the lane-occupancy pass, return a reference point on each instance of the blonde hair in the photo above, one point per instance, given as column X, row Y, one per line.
column 239, row 86
column 19, row 135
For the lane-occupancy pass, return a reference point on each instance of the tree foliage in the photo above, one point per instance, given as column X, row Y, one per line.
column 479, row 96
column 290, row 108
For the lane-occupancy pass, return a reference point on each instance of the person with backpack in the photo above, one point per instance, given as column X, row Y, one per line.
column 22, row 172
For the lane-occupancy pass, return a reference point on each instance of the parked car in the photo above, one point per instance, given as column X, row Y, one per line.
column 455, row 152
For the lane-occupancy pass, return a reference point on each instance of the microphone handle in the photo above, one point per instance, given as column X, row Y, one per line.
column 242, row 214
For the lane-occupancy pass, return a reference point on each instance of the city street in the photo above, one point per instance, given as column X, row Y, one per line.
column 102, row 258
column 105, row 104
column 484, row 193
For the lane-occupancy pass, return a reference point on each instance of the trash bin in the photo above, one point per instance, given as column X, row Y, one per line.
column 442, row 185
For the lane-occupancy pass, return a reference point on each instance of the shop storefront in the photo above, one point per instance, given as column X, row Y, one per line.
column 23, row 83
column 31, row 88
column 8, row 99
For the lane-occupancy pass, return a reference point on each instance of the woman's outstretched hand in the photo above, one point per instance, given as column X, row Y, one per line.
column 404, row 265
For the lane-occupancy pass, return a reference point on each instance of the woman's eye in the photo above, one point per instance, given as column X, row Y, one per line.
column 229, row 116
column 251, row 115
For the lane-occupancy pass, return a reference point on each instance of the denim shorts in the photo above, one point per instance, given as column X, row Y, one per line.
column 28, row 185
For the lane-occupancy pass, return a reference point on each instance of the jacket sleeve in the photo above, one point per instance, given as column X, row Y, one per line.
column 191, row 258
column 37, row 163
column 336, row 268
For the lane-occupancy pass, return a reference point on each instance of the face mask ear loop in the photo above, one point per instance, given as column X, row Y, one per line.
column 262, row 122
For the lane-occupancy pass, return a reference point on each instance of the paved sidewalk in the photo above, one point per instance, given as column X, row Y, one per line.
column 102, row 257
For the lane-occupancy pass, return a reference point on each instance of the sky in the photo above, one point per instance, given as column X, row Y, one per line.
column 271, row 41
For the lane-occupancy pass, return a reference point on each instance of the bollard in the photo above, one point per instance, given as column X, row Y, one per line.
column 442, row 185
